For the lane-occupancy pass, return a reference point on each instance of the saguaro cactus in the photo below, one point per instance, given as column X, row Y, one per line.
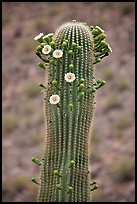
column 69, row 57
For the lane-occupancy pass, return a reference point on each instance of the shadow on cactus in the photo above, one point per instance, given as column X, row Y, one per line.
column 68, row 57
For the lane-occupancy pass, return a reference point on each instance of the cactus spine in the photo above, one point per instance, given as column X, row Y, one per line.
column 69, row 103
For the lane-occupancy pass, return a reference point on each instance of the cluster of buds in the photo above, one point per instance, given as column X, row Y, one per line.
column 58, row 174
column 81, row 89
column 101, row 48
column 49, row 53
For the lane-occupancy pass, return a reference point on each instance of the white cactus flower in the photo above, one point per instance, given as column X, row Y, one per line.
column 57, row 53
column 46, row 49
column 38, row 36
column 70, row 77
column 54, row 99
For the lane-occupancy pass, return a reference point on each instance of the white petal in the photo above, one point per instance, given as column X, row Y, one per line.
column 46, row 49
column 57, row 53
column 54, row 99
column 70, row 77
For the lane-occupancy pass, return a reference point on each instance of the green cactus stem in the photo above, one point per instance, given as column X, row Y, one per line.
column 69, row 106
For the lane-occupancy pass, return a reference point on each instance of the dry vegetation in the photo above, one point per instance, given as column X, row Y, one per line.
column 113, row 136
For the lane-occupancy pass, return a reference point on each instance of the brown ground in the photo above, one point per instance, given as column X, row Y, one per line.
column 112, row 148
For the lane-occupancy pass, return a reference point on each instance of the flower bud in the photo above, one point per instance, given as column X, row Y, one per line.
column 79, row 48
column 71, row 66
column 34, row 180
column 51, row 61
column 56, row 172
column 58, row 187
column 71, row 106
column 69, row 190
column 82, row 80
column 64, row 44
column 41, row 65
column 52, row 44
column 42, row 44
column 36, row 161
column 97, row 60
column 74, row 45
column 39, row 48
column 72, row 163
column 54, row 83
column 81, row 94
column 70, row 52
column 81, row 86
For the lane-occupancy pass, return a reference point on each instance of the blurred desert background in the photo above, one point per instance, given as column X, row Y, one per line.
column 112, row 152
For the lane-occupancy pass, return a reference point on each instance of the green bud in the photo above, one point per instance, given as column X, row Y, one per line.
column 95, row 32
column 71, row 106
column 56, row 172
column 98, row 81
column 81, row 86
column 99, row 38
column 39, row 48
column 64, row 44
column 103, row 36
column 51, row 61
column 58, row 187
column 69, row 190
column 42, row 44
column 93, row 182
column 74, row 45
column 99, row 29
column 66, row 41
column 82, row 80
column 79, row 48
column 35, row 181
column 36, row 161
column 91, row 28
column 42, row 86
column 103, row 44
column 81, row 94
column 54, row 82
column 72, row 163
column 97, row 60
column 70, row 52
column 71, row 66
column 93, row 90
column 46, row 38
column 41, row 65
column 43, row 92
column 103, row 82
column 108, row 48
column 40, row 40
column 94, row 188
column 74, row 21
column 52, row 44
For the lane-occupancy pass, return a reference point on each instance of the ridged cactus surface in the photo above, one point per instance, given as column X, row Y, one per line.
column 69, row 57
